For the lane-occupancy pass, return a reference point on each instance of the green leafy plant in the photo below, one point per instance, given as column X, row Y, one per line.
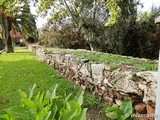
column 122, row 112
column 47, row 106
column 92, row 101
column 66, row 37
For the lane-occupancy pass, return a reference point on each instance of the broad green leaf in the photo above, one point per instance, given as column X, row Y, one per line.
column 53, row 92
column 43, row 113
column 68, row 114
column 37, row 96
column 112, row 112
column 46, row 117
column 19, row 113
column 31, row 91
column 72, row 105
column 29, row 103
column 112, row 108
column 53, row 112
column 41, row 98
column 126, row 108
column 45, row 102
column 68, row 97
column 112, row 115
column 82, row 115
column 59, row 103
column 47, row 94
column 6, row 117
column 47, row 106
column 22, row 94
column 79, row 97
column 123, row 117
column 1, row 2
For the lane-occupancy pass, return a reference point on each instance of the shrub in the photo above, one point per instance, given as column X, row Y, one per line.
column 31, row 39
column 92, row 101
column 47, row 106
column 134, row 36
column 122, row 112
column 140, row 35
column 65, row 37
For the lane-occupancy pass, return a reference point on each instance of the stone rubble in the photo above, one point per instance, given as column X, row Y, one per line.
column 112, row 85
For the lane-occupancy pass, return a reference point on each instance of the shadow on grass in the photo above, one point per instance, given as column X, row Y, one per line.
column 23, row 52
column 22, row 74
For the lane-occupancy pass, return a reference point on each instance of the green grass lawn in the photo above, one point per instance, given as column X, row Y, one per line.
column 20, row 70
column 113, row 60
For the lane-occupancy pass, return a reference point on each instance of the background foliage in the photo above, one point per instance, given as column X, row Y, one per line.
column 65, row 36
column 114, row 26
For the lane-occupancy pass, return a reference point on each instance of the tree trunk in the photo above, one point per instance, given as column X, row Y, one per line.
column 140, row 49
column 9, row 47
column 8, row 39
column 71, row 13
column 91, row 46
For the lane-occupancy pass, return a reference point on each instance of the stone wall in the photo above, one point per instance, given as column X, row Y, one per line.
column 112, row 85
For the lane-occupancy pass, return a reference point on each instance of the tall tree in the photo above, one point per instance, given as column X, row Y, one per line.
column 15, row 16
column 121, row 8
column 26, row 21
column 87, row 15
column 7, row 18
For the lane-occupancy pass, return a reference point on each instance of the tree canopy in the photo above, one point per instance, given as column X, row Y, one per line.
column 15, row 15
column 113, row 26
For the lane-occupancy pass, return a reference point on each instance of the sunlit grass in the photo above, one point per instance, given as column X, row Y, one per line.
column 113, row 60
column 20, row 70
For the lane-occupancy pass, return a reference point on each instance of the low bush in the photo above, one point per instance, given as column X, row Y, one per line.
column 31, row 39
column 122, row 112
column 92, row 101
column 65, row 37
column 47, row 106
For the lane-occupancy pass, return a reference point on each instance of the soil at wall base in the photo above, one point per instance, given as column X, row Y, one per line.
column 96, row 114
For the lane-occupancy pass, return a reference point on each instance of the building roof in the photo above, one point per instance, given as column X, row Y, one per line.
column 157, row 20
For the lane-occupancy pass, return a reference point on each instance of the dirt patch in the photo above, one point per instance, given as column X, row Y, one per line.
column 3, row 101
column 96, row 114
